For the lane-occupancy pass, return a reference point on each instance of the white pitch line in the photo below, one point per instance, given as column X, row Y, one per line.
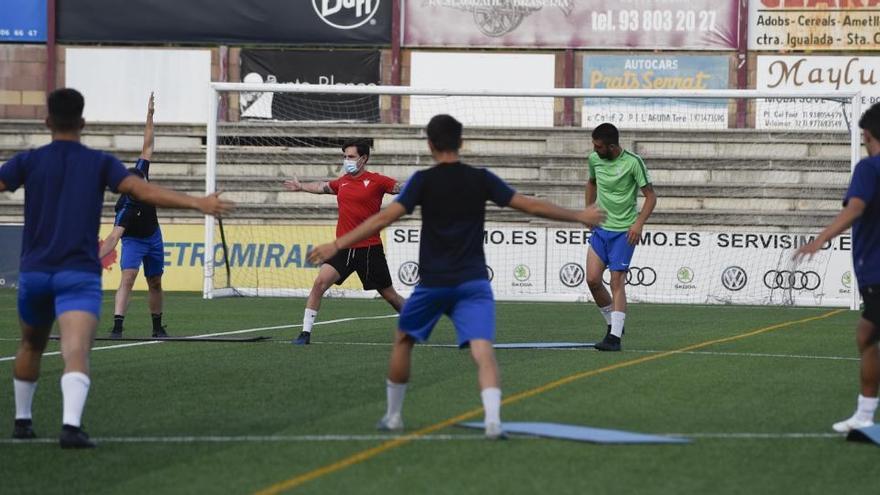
column 219, row 334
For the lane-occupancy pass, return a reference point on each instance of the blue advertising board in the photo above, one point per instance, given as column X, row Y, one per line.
column 23, row 21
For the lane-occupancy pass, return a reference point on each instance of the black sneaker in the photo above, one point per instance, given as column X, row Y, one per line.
column 115, row 334
column 609, row 343
column 24, row 430
column 303, row 339
column 73, row 437
column 607, row 332
column 160, row 333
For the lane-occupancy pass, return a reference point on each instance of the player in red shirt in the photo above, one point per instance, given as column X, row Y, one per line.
column 359, row 195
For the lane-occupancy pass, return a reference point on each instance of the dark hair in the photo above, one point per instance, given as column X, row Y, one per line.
column 870, row 121
column 362, row 146
column 444, row 132
column 607, row 133
column 136, row 171
column 65, row 109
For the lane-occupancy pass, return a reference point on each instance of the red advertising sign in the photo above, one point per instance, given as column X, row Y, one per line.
column 651, row 24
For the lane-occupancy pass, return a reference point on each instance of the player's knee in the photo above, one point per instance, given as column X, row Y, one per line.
column 868, row 337
column 594, row 282
column 155, row 283
column 34, row 343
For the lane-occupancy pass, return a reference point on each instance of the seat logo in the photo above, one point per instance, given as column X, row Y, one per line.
column 408, row 273
column 734, row 278
column 636, row 276
column 571, row 274
column 346, row 14
column 795, row 280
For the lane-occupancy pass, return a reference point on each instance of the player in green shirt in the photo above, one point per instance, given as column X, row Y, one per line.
column 616, row 175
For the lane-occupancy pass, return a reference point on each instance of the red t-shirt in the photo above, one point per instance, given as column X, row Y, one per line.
column 358, row 199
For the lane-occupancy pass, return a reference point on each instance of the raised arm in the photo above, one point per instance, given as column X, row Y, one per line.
column 149, row 138
column 152, row 194
column 370, row 226
column 111, row 241
column 318, row 187
column 592, row 215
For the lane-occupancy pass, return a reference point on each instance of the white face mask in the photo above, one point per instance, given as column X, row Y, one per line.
column 350, row 166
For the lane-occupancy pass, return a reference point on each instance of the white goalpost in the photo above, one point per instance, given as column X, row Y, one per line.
column 734, row 203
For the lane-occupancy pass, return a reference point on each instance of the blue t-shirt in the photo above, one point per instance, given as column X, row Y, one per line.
column 64, row 184
column 865, row 185
column 453, row 200
column 138, row 219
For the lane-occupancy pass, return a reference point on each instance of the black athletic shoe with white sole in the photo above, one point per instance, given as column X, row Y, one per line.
column 609, row 343
column 74, row 438
column 303, row 339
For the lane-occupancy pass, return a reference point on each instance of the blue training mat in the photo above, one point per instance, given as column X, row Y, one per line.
column 870, row 434
column 535, row 345
column 582, row 433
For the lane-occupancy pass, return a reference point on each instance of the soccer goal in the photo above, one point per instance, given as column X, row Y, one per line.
column 743, row 178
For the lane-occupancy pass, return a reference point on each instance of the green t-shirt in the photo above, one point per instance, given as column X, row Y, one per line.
column 617, row 186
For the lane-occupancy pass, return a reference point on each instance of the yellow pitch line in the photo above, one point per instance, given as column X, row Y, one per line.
column 403, row 440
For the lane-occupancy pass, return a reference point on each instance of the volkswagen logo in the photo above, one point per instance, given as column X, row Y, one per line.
column 491, row 272
column 408, row 273
column 522, row 273
column 796, row 280
column 346, row 14
column 636, row 276
column 734, row 278
column 571, row 274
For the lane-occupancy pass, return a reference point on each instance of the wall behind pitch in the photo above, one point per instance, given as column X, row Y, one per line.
column 117, row 81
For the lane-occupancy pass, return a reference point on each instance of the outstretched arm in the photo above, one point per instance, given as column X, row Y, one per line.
column 152, row 194
column 590, row 216
column 844, row 220
column 111, row 241
column 320, row 187
column 149, row 138
column 369, row 227
column 635, row 231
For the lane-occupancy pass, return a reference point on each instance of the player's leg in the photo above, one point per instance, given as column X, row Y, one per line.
column 78, row 305
column 37, row 312
column 620, row 253
column 597, row 261
column 328, row 275
column 123, row 296
column 417, row 320
column 473, row 314
column 867, row 339
column 374, row 275
column 154, row 268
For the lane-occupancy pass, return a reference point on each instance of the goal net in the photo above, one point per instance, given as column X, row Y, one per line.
column 742, row 177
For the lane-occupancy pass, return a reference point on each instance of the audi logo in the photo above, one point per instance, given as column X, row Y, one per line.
column 636, row 276
column 491, row 273
column 795, row 280
column 571, row 274
column 408, row 273
column 734, row 278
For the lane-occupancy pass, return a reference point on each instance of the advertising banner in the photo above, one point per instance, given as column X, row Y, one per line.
column 610, row 24
column 322, row 22
column 831, row 73
column 10, row 255
column 811, row 25
column 23, row 21
column 690, row 72
column 310, row 67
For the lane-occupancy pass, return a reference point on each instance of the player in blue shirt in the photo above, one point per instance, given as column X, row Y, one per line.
column 138, row 226
column 452, row 265
column 862, row 212
column 60, row 274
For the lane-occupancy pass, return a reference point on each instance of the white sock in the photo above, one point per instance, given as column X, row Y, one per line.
column 606, row 313
column 617, row 319
column 24, row 397
column 491, row 404
column 75, row 390
column 309, row 316
column 867, row 407
column 395, row 393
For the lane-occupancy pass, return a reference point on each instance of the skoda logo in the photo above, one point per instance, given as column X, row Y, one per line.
column 734, row 278
column 846, row 280
column 796, row 280
column 521, row 273
column 346, row 14
column 571, row 274
column 685, row 275
column 491, row 272
column 408, row 273
column 637, row 276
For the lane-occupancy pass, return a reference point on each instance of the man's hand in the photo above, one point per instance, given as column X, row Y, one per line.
column 213, row 205
column 634, row 234
column 592, row 215
column 807, row 251
column 151, row 106
column 323, row 252
column 293, row 185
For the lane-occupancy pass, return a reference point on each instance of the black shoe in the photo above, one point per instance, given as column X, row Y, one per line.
column 74, row 438
column 303, row 339
column 607, row 332
column 609, row 343
column 114, row 334
column 160, row 333
column 24, row 430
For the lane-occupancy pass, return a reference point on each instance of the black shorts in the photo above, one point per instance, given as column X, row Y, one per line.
column 369, row 263
column 871, row 297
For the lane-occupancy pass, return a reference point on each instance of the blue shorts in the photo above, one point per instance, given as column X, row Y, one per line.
column 149, row 250
column 470, row 306
column 612, row 248
column 42, row 296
